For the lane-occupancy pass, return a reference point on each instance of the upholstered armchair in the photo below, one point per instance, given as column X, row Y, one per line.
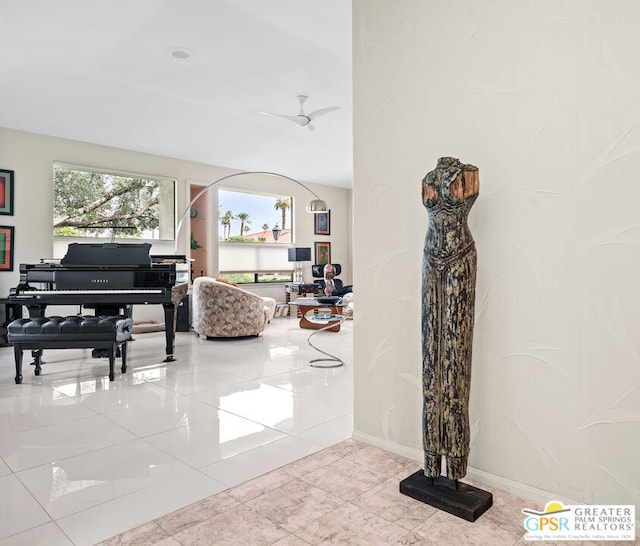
column 220, row 309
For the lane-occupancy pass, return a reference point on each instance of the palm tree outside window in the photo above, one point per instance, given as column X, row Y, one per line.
column 247, row 250
column 283, row 204
column 251, row 217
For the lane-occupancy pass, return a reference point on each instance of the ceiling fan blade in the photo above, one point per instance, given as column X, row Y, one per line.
column 322, row 112
column 310, row 126
column 284, row 116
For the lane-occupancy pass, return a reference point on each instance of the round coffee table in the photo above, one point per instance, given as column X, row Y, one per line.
column 307, row 305
column 323, row 324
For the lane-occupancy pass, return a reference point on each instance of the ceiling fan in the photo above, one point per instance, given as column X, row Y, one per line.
column 302, row 119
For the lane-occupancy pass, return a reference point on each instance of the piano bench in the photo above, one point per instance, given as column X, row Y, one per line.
column 107, row 333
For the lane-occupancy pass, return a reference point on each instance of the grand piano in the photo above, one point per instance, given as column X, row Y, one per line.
column 108, row 277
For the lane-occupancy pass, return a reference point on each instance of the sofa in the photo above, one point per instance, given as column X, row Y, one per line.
column 222, row 309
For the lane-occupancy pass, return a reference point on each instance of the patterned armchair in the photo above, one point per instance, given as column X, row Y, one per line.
column 220, row 309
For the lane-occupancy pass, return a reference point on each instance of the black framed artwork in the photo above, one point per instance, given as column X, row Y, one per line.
column 6, row 191
column 6, row 248
column 322, row 223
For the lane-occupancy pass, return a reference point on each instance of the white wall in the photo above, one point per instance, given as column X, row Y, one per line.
column 31, row 157
column 544, row 97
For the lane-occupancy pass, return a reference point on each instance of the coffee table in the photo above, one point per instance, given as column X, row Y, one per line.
column 308, row 307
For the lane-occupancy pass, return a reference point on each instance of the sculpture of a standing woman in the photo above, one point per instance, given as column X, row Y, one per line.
column 448, row 297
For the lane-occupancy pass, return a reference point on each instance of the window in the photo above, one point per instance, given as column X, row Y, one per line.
column 251, row 217
column 94, row 203
column 257, row 277
column 248, row 251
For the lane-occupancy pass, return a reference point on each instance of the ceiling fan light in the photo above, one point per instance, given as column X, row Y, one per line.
column 317, row 206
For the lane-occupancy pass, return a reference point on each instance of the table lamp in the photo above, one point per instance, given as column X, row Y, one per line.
column 298, row 255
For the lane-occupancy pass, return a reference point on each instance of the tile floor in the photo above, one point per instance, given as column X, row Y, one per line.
column 346, row 494
column 83, row 459
column 236, row 443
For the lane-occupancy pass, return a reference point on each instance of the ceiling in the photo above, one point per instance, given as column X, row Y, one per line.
column 106, row 72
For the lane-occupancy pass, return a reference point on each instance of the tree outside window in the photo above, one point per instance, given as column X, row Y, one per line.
column 91, row 203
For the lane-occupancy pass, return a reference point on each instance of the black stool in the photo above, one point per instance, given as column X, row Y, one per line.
column 108, row 333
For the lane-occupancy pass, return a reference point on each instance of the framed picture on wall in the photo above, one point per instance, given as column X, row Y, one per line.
column 323, row 253
column 322, row 223
column 6, row 248
column 6, row 192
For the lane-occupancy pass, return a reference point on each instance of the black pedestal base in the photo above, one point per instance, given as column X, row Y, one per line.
column 457, row 498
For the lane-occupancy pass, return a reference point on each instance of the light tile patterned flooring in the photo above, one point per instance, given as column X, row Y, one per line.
column 347, row 494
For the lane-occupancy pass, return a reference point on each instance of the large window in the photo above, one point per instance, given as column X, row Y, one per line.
column 248, row 251
column 251, row 217
column 95, row 203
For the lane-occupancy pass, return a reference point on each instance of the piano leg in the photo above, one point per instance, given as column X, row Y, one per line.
column 37, row 354
column 36, row 310
column 169, row 329
column 37, row 360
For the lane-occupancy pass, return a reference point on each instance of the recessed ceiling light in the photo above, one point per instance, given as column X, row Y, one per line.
column 179, row 53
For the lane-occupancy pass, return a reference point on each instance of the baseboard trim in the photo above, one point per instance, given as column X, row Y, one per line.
column 536, row 496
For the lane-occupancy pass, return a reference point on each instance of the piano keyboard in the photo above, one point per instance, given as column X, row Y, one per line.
column 94, row 292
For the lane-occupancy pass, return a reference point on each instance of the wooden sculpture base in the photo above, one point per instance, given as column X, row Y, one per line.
column 457, row 498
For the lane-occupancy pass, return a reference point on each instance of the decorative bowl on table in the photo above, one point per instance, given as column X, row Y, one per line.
column 329, row 299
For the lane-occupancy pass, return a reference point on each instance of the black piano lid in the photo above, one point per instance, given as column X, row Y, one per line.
column 107, row 254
